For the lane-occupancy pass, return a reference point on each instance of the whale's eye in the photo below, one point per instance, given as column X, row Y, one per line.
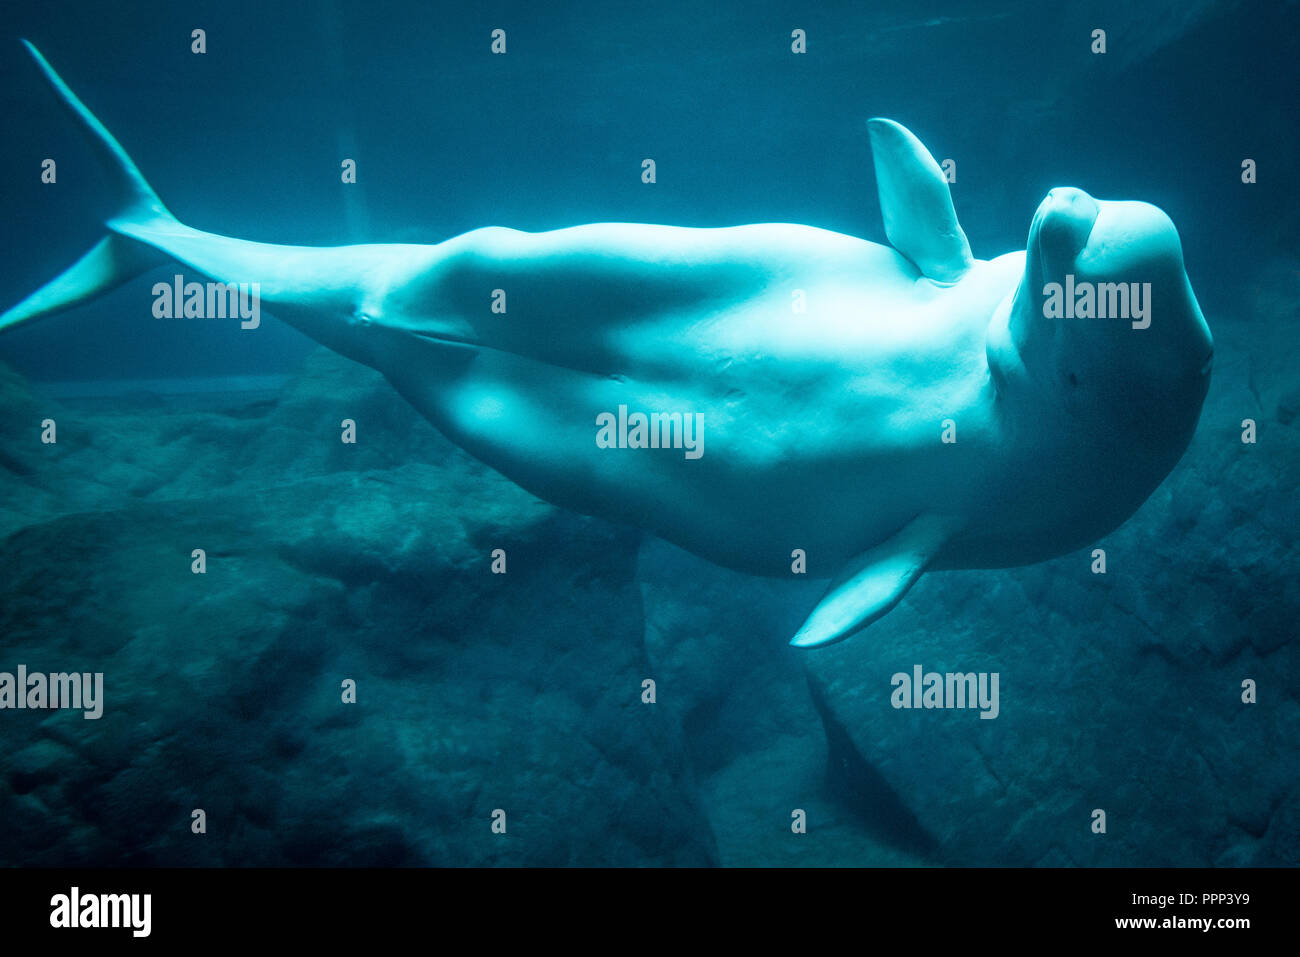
column 362, row 319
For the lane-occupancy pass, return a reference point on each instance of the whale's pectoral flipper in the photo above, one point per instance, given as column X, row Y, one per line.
column 916, row 203
column 115, row 258
column 874, row 582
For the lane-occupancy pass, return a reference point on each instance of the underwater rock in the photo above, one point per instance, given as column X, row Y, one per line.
column 223, row 690
column 30, row 469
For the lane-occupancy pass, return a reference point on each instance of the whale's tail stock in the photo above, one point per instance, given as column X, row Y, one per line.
column 115, row 258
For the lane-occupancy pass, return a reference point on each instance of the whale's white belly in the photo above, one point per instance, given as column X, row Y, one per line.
column 819, row 400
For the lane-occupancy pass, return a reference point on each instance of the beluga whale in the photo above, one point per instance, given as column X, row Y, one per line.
column 760, row 395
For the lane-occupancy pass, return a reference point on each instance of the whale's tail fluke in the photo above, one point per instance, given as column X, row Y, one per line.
column 115, row 258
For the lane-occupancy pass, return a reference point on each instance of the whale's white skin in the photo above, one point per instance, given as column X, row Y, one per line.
column 821, row 429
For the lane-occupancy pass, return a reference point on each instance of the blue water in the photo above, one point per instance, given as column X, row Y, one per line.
column 474, row 695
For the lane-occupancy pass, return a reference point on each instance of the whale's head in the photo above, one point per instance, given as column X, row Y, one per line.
column 1103, row 338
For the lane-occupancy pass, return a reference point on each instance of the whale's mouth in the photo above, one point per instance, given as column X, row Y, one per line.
column 446, row 339
column 468, row 344
column 450, row 340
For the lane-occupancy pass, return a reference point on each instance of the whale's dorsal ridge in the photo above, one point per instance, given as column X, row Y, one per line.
column 916, row 203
